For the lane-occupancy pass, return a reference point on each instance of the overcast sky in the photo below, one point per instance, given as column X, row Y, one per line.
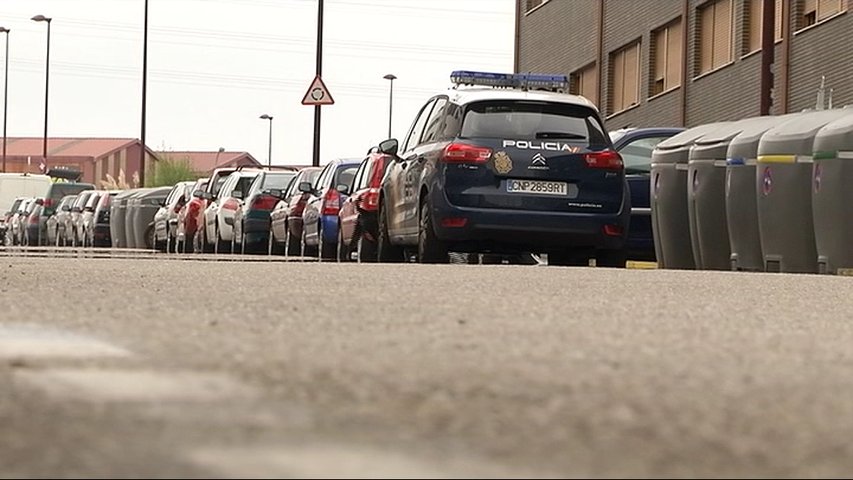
column 214, row 66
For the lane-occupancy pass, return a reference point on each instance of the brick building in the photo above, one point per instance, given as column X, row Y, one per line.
column 93, row 157
column 686, row 62
column 204, row 162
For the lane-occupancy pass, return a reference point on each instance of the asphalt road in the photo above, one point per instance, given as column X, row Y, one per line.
column 157, row 368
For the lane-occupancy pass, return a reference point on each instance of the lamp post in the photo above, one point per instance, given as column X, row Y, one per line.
column 269, row 153
column 216, row 161
column 391, row 78
column 42, row 18
column 5, row 94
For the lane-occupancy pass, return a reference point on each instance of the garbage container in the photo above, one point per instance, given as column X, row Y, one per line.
column 783, row 183
column 117, row 212
column 129, row 215
column 706, row 195
column 670, row 222
column 832, row 195
column 741, row 202
column 147, row 204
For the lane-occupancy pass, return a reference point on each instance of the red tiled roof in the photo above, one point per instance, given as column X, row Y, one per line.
column 204, row 162
column 66, row 147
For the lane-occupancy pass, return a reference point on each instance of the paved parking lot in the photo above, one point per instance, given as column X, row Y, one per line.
column 122, row 367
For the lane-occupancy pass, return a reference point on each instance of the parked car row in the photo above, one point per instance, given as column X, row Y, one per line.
column 46, row 219
column 503, row 166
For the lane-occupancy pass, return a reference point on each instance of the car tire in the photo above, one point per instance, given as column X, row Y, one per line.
column 291, row 244
column 611, row 258
column 149, row 238
column 569, row 258
column 366, row 250
column 344, row 251
column 386, row 252
column 430, row 248
column 305, row 250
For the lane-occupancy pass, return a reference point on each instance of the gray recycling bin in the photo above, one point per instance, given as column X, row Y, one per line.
column 784, row 192
column 147, row 204
column 832, row 195
column 706, row 195
column 130, row 215
column 668, row 198
column 741, row 202
column 118, row 207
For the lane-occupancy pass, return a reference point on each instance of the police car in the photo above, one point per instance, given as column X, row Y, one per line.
column 505, row 164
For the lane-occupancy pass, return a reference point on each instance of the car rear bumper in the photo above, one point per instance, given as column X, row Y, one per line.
column 529, row 231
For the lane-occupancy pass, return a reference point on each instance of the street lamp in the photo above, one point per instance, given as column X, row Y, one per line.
column 269, row 154
column 216, row 161
column 5, row 94
column 390, row 77
column 42, row 18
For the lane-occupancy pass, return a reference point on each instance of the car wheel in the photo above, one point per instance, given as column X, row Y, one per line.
column 149, row 238
column 611, row 258
column 569, row 258
column 291, row 245
column 430, row 248
column 344, row 252
column 385, row 251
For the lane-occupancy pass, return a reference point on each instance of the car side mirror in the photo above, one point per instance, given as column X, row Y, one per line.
column 389, row 146
column 342, row 188
column 305, row 187
column 40, row 202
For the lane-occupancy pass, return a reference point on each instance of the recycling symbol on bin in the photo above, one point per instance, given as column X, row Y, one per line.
column 818, row 171
column 766, row 181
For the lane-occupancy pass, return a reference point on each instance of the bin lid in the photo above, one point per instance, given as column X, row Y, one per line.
column 796, row 136
column 715, row 145
column 676, row 149
column 744, row 146
column 835, row 136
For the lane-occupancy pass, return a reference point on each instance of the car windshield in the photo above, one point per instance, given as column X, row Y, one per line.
column 344, row 175
column 533, row 120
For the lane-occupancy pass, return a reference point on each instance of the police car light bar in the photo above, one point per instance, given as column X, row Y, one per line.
column 559, row 83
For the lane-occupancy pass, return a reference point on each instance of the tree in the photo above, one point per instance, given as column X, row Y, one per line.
column 170, row 171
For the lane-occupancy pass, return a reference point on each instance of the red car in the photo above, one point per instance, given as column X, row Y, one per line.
column 359, row 226
column 206, row 195
column 286, row 217
column 188, row 217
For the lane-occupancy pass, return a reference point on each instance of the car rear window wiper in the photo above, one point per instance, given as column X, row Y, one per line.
column 560, row 135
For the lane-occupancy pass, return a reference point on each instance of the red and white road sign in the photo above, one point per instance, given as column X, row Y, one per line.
column 318, row 94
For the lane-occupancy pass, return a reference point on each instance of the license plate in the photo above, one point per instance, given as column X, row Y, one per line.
column 537, row 186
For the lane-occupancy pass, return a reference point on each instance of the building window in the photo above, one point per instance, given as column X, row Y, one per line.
column 625, row 78
column 666, row 58
column 814, row 11
column 531, row 4
column 753, row 17
column 584, row 82
column 715, row 35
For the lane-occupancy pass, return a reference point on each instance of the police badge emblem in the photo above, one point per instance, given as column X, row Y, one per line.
column 503, row 164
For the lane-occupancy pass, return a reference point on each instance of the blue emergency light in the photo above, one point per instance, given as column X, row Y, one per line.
column 535, row 81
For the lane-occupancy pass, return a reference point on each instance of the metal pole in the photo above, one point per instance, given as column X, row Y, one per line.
column 269, row 152
column 5, row 98
column 316, row 159
column 144, row 96
column 767, row 53
column 390, row 106
column 46, row 85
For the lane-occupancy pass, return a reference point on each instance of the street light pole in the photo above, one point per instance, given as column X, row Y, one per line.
column 42, row 18
column 269, row 152
column 390, row 77
column 216, row 160
column 5, row 94
column 144, row 95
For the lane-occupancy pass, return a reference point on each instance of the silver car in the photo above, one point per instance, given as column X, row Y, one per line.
column 87, row 218
column 56, row 222
column 72, row 223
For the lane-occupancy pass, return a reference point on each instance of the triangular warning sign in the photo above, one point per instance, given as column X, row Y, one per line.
column 318, row 94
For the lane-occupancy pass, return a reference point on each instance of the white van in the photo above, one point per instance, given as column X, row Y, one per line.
column 14, row 185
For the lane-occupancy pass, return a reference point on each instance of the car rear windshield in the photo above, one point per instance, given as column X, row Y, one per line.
column 280, row 181
column 533, row 120
column 344, row 175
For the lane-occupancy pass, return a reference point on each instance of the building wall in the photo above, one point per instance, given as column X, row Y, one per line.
column 727, row 93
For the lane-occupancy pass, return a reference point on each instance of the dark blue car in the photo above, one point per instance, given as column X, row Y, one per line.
column 635, row 145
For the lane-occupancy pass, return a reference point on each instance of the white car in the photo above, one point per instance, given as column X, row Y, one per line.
column 219, row 215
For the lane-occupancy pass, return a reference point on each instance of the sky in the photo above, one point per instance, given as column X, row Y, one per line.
column 216, row 66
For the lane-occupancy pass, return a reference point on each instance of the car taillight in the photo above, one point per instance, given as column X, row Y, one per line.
column 605, row 159
column 454, row 222
column 370, row 200
column 48, row 202
column 264, row 202
column 613, row 230
column 464, row 153
column 331, row 202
